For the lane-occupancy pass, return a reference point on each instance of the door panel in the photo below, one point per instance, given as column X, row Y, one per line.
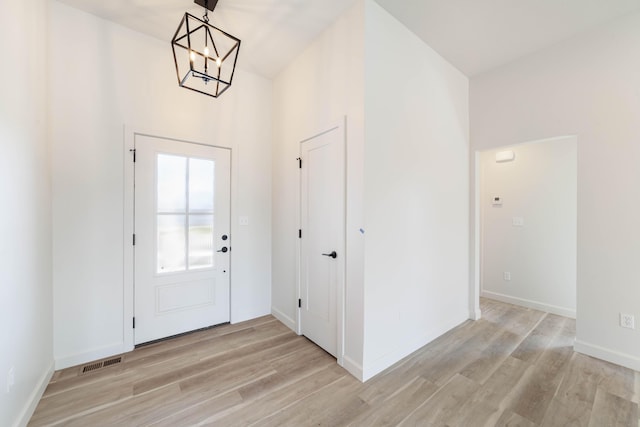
column 182, row 210
column 322, row 215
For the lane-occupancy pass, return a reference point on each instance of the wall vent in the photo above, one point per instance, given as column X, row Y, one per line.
column 102, row 364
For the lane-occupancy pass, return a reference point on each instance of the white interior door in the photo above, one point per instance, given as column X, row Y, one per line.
column 322, row 254
column 182, row 240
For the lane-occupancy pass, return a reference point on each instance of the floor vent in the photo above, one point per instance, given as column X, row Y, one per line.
column 113, row 361
column 103, row 364
column 92, row 367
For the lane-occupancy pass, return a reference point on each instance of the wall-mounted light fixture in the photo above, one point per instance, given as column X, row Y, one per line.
column 505, row 156
column 205, row 56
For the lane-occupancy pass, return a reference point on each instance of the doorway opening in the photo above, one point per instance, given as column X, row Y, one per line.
column 526, row 225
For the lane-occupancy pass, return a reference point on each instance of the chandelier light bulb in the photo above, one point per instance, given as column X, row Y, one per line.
column 192, row 56
column 218, row 62
column 206, row 51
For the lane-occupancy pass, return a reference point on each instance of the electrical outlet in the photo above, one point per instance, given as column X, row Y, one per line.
column 506, row 276
column 627, row 321
column 11, row 379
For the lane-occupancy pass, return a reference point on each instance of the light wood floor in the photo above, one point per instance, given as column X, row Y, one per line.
column 514, row 367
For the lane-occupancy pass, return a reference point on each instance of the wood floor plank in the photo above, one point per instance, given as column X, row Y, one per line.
column 128, row 411
column 511, row 419
column 222, row 376
column 212, row 363
column 179, row 406
column 567, row 412
column 195, row 414
column 440, row 368
column 518, row 324
column 287, row 370
column 522, row 321
column 414, row 365
column 79, row 401
column 515, row 366
column 615, row 379
column 534, row 394
column 586, row 374
column 538, row 340
column 330, row 406
column 393, row 410
column 484, row 406
column 183, row 355
column 443, row 405
column 491, row 357
column 613, row 411
column 268, row 404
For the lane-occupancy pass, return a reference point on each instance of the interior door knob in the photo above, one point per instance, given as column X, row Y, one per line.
column 333, row 255
column 223, row 250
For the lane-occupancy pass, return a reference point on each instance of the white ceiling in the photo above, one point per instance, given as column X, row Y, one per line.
column 478, row 35
column 474, row 35
column 273, row 32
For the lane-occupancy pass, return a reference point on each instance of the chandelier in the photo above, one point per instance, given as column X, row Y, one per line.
column 205, row 56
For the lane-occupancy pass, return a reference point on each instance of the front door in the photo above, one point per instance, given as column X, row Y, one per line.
column 182, row 239
column 322, row 245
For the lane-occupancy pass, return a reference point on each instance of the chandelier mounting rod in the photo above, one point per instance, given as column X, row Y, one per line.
column 207, row 4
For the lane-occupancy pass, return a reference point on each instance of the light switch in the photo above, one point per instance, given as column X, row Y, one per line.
column 243, row 220
column 518, row 221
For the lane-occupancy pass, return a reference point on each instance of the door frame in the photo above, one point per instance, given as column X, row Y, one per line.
column 341, row 126
column 128, row 265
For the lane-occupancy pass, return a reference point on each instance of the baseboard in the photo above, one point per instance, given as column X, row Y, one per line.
column 90, row 356
column 403, row 351
column 622, row 359
column 288, row 321
column 560, row 311
column 34, row 398
column 475, row 314
column 352, row 367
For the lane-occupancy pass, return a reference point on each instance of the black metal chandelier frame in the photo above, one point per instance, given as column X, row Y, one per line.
column 182, row 39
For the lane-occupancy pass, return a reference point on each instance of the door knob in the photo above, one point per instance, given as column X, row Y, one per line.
column 223, row 250
column 333, row 255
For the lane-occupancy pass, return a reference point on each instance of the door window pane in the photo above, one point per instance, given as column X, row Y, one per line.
column 172, row 179
column 200, row 241
column 171, row 243
column 185, row 208
column 201, row 185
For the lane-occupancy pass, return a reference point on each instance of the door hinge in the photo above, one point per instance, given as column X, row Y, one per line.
column 299, row 159
column 133, row 150
column 134, row 240
column 134, row 323
column 299, row 303
column 300, row 234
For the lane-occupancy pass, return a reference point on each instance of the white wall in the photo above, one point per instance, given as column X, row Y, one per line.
column 539, row 187
column 412, row 284
column 25, row 217
column 416, row 193
column 104, row 76
column 589, row 87
column 320, row 87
